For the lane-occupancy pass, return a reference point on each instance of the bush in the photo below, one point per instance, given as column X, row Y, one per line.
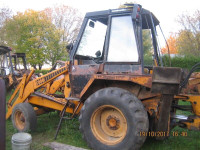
column 148, row 60
column 42, row 71
column 183, row 62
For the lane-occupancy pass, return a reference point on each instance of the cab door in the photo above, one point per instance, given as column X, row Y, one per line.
column 123, row 55
column 88, row 54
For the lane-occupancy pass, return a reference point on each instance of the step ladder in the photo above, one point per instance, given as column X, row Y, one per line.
column 63, row 113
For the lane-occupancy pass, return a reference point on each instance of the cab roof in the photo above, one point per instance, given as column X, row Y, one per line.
column 146, row 14
column 4, row 50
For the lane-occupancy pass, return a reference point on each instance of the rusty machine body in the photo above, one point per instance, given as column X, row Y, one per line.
column 11, row 71
column 118, row 99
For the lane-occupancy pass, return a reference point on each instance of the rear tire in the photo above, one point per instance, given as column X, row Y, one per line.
column 24, row 117
column 113, row 118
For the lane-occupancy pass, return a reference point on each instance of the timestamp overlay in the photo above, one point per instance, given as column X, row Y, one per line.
column 179, row 139
column 165, row 134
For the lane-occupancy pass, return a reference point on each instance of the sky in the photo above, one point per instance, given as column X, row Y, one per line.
column 166, row 11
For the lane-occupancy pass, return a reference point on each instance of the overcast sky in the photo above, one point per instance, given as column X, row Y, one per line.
column 166, row 11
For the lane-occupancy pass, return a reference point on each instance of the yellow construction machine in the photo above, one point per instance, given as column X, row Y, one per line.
column 10, row 69
column 119, row 99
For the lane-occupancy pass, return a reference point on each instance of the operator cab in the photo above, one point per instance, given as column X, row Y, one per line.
column 111, row 42
column 116, row 37
column 5, row 67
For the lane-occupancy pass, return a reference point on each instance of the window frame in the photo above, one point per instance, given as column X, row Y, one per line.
column 108, row 41
column 86, row 25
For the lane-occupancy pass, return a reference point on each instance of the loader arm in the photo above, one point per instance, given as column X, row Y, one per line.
column 27, row 87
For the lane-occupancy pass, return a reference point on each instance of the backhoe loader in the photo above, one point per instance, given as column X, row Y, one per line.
column 119, row 99
column 10, row 69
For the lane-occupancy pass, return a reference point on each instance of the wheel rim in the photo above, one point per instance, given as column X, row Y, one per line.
column 19, row 120
column 108, row 125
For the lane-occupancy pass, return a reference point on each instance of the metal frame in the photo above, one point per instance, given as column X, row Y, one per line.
column 108, row 41
column 77, row 42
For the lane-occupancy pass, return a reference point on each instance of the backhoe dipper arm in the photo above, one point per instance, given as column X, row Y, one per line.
column 26, row 87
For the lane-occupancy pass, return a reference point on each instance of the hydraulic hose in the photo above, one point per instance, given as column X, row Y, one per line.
column 185, row 81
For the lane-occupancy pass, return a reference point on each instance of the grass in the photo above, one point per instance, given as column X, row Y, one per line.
column 70, row 134
column 46, row 129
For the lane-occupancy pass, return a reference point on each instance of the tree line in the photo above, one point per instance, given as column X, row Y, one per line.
column 186, row 42
column 42, row 35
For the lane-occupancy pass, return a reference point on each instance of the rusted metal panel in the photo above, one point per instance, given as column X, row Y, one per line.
column 122, row 81
column 166, row 80
column 123, row 69
column 78, row 83
column 146, row 94
column 193, row 81
column 101, row 68
column 2, row 115
column 164, row 115
column 144, row 80
column 79, row 77
column 193, row 86
column 82, row 76
column 85, row 69
column 196, row 75
column 86, row 87
column 129, row 86
column 151, row 105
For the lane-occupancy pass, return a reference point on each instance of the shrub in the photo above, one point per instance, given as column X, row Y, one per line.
column 183, row 62
column 42, row 71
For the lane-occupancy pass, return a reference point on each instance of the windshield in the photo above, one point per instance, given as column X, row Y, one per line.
column 5, row 67
column 4, row 61
column 93, row 39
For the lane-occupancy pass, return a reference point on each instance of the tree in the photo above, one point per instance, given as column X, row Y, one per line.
column 5, row 14
column 66, row 18
column 68, row 21
column 147, row 42
column 172, row 45
column 32, row 32
column 188, row 40
column 56, row 49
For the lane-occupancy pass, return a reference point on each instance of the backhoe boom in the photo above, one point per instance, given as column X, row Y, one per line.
column 27, row 87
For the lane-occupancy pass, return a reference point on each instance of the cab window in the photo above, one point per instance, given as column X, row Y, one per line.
column 122, row 45
column 90, row 49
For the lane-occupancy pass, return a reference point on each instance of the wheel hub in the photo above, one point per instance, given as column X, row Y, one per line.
column 109, row 124
column 113, row 122
column 22, row 118
column 19, row 120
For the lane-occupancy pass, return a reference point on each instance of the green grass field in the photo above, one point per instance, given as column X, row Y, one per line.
column 69, row 134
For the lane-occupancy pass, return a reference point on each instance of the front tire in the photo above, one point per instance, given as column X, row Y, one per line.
column 113, row 118
column 24, row 117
